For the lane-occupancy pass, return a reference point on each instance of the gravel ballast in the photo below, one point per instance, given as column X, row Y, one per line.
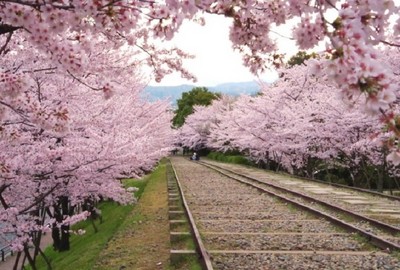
column 267, row 233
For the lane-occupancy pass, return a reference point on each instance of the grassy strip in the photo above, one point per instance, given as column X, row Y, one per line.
column 223, row 157
column 142, row 241
column 86, row 248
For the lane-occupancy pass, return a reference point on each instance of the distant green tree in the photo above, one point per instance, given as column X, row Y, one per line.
column 300, row 57
column 196, row 96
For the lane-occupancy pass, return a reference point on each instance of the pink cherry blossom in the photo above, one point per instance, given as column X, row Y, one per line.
column 72, row 120
column 63, row 145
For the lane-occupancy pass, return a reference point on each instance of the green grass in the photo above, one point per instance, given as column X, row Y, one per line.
column 139, row 183
column 185, row 262
column 86, row 248
column 292, row 208
column 180, row 227
column 183, row 242
column 364, row 242
column 396, row 254
column 236, row 159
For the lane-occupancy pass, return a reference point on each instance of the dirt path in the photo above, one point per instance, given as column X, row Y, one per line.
column 142, row 243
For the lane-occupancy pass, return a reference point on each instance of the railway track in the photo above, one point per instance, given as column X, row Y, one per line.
column 246, row 224
column 374, row 213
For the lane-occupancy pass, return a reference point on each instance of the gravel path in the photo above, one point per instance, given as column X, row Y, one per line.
column 243, row 228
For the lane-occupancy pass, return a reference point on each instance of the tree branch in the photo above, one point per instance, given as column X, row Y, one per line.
column 85, row 84
column 390, row 44
column 8, row 29
column 3, row 48
column 15, row 110
column 38, row 200
column 2, row 200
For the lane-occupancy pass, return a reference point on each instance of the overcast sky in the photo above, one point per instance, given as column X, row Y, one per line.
column 216, row 62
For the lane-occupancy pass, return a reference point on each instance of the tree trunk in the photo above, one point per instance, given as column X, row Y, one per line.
column 61, row 234
column 55, row 234
column 30, row 259
column 45, row 259
column 18, row 257
column 64, row 243
column 379, row 184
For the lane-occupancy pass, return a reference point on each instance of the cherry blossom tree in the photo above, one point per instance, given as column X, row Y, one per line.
column 254, row 126
column 351, row 32
column 195, row 132
column 63, row 145
column 297, row 123
column 65, row 31
column 66, row 44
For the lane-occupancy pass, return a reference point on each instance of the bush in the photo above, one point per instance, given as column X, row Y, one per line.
column 225, row 157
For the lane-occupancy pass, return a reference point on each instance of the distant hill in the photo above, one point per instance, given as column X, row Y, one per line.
column 173, row 93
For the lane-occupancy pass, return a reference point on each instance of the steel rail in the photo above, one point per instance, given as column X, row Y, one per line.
column 201, row 250
column 374, row 239
column 386, row 227
column 393, row 197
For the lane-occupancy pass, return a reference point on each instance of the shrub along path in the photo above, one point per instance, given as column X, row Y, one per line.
column 142, row 242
